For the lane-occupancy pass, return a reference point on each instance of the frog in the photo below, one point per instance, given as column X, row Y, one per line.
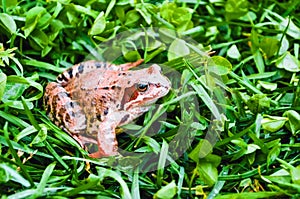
column 91, row 99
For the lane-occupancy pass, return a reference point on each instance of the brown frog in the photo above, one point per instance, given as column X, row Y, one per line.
column 91, row 99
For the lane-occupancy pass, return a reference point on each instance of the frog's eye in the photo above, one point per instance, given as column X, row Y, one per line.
column 142, row 87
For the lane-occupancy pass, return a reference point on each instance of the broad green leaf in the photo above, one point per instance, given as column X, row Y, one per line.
column 46, row 50
column 132, row 18
column 283, row 23
column 269, row 46
column 208, row 173
column 250, row 16
column 33, row 17
column 41, row 136
column 235, row 9
column 167, row 35
column 40, row 38
column 295, row 173
column 285, row 45
column 99, row 25
column 178, row 48
column 215, row 160
column 120, row 12
column 293, row 123
column 252, row 148
column 142, row 9
column 233, row 52
column 273, row 154
column 3, row 79
column 86, row 10
column 8, row 22
column 167, row 10
column 56, row 27
column 268, row 85
column 180, row 17
column 13, row 91
column 273, row 123
column 17, row 85
column 204, row 147
column 220, row 66
column 166, row 192
column 132, row 56
column 288, row 62
column 258, row 103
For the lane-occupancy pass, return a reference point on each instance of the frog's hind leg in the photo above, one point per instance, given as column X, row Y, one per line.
column 65, row 112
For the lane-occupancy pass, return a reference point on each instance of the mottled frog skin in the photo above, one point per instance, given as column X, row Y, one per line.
column 91, row 99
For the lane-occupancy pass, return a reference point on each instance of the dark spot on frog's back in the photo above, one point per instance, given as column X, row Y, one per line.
column 99, row 117
column 72, row 114
column 124, row 119
column 91, row 120
column 70, row 104
column 100, row 64
column 68, row 118
column 106, row 111
column 80, row 68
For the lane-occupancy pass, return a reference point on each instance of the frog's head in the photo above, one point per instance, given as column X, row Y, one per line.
column 148, row 87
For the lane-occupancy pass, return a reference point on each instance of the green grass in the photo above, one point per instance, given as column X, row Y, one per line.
column 229, row 128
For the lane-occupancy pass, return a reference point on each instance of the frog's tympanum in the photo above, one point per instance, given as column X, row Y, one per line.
column 91, row 99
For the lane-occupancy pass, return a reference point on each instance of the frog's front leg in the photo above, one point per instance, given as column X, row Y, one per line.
column 106, row 137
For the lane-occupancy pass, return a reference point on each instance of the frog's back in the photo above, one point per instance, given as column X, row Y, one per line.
column 82, row 69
